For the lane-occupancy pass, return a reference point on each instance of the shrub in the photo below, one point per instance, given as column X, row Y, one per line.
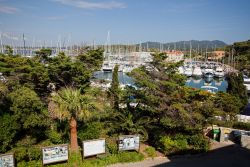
column 112, row 145
column 199, row 143
column 166, row 145
column 54, row 137
column 242, row 125
column 90, row 131
column 150, row 151
column 181, row 142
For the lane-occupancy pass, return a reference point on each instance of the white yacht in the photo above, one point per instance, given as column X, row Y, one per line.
column 219, row 73
column 188, row 72
column 107, row 67
column 246, row 79
column 209, row 73
column 180, row 70
column 210, row 89
column 197, row 72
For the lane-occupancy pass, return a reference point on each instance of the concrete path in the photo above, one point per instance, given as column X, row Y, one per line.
column 222, row 154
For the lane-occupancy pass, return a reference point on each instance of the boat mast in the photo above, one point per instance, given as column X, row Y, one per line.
column 24, row 49
column 190, row 52
column 1, row 42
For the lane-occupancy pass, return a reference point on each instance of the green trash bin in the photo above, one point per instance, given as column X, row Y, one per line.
column 216, row 134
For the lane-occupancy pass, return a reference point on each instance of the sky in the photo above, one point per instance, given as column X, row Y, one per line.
column 129, row 21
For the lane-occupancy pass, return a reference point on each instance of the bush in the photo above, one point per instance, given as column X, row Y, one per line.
column 112, row 146
column 199, row 143
column 90, row 131
column 166, row 145
column 27, row 154
column 242, row 126
column 54, row 136
column 180, row 144
column 150, row 151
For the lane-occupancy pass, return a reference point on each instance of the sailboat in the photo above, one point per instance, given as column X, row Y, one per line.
column 189, row 70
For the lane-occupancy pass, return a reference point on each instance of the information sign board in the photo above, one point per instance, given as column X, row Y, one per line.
column 129, row 142
column 55, row 154
column 7, row 160
column 94, row 147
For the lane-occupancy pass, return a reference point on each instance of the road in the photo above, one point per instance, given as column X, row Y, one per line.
column 221, row 155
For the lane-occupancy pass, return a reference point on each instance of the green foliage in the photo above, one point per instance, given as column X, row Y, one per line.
column 228, row 103
column 8, row 130
column 43, row 54
column 8, row 50
column 199, row 143
column 67, row 73
column 242, row 125
column 129, row 122
column 180, row 143
column 54, row 136
column 90, row 131
column 242, row 54
column 166, row 145
column 114, row 89
column 75, row 160
column 93, row 59
column 112, row 146
column 150, row 151
column 28, row 111
column 237, row 88
column 27, row 108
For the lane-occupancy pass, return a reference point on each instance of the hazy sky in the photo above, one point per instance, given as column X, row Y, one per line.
column 128, row 21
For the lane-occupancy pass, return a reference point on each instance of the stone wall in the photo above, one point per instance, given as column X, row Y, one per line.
column 245, row 141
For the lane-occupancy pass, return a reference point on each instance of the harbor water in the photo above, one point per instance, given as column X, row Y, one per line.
column 124, row 79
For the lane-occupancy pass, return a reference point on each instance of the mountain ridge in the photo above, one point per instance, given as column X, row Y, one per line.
column 182, row 45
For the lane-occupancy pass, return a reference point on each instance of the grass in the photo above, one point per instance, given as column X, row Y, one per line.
column 76, row 160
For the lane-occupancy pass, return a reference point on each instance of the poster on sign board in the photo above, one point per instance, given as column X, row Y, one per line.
column 7, row 160
column 94, row 147
column 129, row 142
column 55, row 154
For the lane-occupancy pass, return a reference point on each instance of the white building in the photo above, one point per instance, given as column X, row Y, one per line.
column 245, row 115
column 174, row 56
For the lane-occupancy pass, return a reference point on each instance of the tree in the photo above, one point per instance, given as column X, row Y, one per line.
column 64, row 72
column 114, row 89
column 237, row 88
column 43, row 54
column 71, row 105
column 129, row 122
column 92, row 59
column 9, row 50
column 28, row 110
column 9, row 127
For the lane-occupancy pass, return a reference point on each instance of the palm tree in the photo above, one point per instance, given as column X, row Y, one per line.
column 69, row 104
column 129, row 123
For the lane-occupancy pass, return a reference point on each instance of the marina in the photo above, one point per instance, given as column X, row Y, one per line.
column 219, row 84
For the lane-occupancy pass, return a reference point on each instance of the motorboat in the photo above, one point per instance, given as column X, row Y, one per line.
column 197, row 80
column 219, row 73
column 180, row 70
column 208, row 79
column 210, row 89
column 246, row 79
column 188, row 72
column 107, row 67
column 209, row 73
column 197, row 72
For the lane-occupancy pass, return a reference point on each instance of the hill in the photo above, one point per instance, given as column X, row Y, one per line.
column 185, row 45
